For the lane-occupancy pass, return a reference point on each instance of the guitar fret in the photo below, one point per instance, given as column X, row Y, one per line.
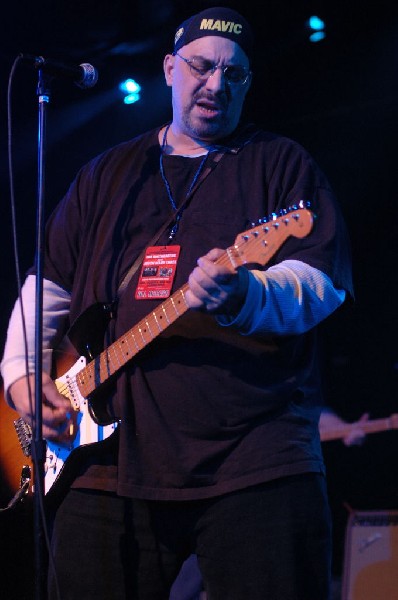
column 106, row 363
column 234, row 258
column 121, row 356
column 85, row 378
column 144, row 332
column 182, row 293
column 170, row 311
column 177, row 304
column 165, row 314
column 116, row 352
column 125, row 352
column 80, row 377
column 135, row 342
column 173, row 303
column 149, row 328
column 131, row 351
column 156, row 321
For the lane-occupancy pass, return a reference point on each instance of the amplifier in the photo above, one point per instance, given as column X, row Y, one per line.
column 370, row 569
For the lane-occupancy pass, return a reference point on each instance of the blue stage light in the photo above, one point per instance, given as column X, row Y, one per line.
column 315, row 23
column 131, row 98
column 317, row 29
column 132, row 90
column 317, row 36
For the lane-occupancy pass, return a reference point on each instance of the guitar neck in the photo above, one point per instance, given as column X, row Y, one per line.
column 115, row 356
column 374, row 426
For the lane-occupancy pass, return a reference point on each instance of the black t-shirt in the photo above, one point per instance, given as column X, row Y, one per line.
column 203, row 409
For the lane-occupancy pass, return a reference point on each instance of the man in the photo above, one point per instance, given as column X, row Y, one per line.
column 217, row 449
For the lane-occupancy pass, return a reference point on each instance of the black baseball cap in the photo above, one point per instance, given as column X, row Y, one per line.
column 220, row 21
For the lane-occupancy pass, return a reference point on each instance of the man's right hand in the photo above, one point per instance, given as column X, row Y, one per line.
column 56, row 409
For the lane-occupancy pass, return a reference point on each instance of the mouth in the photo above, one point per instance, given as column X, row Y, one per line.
column 209, row 108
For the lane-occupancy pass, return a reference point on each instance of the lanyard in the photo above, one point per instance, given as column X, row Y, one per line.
column 199, row 177
column 174, row 228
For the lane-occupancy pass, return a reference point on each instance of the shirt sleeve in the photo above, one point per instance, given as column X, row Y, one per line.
column 287, row 299
column 19, row 353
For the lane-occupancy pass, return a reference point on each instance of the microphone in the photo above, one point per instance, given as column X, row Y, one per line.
column 84, row 76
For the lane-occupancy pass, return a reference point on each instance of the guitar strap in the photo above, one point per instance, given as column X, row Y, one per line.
column 214, row 158
column 159, row 233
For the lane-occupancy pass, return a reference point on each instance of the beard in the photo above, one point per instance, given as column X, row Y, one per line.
column 200, row 125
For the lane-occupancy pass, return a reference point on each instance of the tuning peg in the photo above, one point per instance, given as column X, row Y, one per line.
column 283, row 211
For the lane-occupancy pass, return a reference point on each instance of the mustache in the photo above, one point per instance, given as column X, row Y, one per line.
column 219, row 100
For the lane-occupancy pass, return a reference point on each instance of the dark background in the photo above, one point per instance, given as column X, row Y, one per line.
column 338, row 98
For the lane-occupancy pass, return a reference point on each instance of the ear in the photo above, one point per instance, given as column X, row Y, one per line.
column 168, row 66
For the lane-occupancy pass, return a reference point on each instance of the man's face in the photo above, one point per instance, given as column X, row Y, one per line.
column 210, row 108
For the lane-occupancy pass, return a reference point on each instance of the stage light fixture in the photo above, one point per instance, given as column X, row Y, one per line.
column 316, row 25
column 131, row 89
column 317, row 36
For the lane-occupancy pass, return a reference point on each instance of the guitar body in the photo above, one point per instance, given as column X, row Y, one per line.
column 82, row 429
column 12, row 458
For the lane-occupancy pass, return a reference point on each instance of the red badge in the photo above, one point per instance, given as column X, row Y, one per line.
column 157, row 273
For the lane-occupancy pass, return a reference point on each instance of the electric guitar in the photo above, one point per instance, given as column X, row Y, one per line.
column 372, row 426
column 90, row 421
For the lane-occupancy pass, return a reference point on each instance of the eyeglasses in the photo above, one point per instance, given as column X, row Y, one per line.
column 202, row 69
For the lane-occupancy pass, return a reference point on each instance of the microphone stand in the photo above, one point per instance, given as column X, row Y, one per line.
column 38, row 444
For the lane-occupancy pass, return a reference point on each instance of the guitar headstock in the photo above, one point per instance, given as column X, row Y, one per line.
column 258, row 244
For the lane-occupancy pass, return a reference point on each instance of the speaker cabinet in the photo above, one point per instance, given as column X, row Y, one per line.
column 371, row 556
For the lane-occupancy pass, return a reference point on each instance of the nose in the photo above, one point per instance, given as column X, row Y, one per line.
column 217, row 79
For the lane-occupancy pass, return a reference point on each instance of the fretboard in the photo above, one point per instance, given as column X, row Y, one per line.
column 115, row 356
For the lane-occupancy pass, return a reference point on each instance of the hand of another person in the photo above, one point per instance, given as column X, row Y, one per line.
column 217, row 287
column 356, row 434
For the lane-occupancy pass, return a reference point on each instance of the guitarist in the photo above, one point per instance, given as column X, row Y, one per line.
column 217, row 451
